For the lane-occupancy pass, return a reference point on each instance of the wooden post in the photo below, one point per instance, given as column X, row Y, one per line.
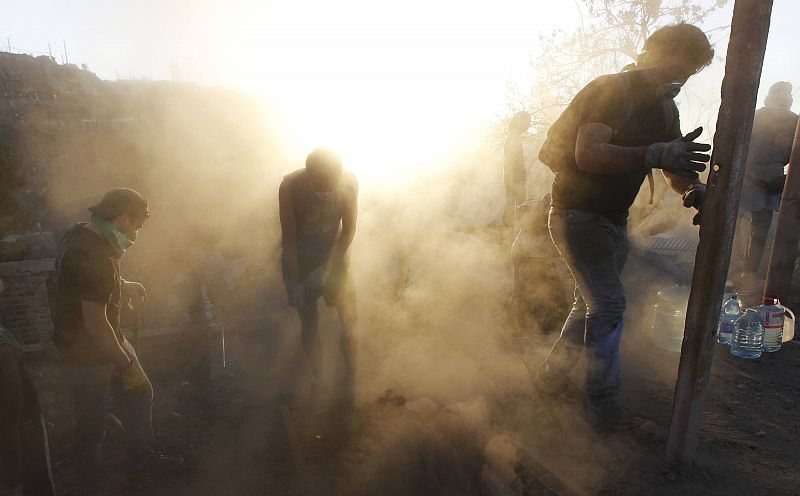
column 748, row 42
column 787, row 235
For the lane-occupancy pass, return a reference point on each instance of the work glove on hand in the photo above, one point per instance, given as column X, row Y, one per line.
column 134, row 380
column 680, row 157
column 315, row 281
column 694, row 197
column 775, row 186
column 297, row 296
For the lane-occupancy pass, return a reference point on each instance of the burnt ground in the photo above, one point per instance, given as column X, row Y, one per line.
column 251, row 429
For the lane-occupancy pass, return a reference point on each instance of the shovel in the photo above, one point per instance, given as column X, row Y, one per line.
column 136, row 307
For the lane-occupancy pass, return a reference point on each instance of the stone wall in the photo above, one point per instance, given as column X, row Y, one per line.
column 24, row 305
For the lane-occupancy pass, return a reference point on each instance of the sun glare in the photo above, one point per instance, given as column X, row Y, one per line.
column 385, row 128
column 396, row 87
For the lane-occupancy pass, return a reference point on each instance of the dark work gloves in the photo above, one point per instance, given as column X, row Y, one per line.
column 682, row 156
column 694, row 198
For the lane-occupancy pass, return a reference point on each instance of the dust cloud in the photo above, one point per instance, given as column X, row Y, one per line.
column 432, row 272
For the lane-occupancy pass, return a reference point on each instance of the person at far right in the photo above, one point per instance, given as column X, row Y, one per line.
column 770, row 149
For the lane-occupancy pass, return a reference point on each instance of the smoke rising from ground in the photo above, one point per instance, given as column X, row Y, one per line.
column 432, row 274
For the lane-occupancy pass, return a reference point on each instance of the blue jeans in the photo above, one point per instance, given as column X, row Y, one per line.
column 90, row 387
column 595, row 250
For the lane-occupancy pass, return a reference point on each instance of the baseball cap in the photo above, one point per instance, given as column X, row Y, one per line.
column 119, row 201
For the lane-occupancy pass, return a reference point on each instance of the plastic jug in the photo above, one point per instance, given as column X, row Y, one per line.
column 788, row 325
column 773, row 318
column 748, row 336
column 669, row 318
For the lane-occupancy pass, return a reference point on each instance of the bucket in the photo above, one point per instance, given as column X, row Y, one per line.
column 669, row 318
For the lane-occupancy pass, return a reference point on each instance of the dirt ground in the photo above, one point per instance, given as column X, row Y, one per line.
column 252, row 429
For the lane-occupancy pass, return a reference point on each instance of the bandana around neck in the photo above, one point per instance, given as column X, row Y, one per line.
column 118, row 240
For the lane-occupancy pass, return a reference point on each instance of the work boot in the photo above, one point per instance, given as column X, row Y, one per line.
column 548, row 385
column 608, row 415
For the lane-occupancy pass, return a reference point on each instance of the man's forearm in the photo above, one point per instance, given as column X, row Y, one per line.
column 292, row 265
column 341, row 247
column 104, row 336
column 680, row 184
column 605, row 158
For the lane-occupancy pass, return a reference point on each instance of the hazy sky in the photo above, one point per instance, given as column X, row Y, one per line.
column 344, row 72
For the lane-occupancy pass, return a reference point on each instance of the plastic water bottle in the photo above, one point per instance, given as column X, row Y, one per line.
column 748, row 335
column 731, row 310
column 772, row 315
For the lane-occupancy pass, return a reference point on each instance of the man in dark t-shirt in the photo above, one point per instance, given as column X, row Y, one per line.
column 88, row 292
column 608, row 140
column 318, row 210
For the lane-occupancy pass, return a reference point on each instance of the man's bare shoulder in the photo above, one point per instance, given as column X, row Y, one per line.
column 293, row 177
column 349, row 182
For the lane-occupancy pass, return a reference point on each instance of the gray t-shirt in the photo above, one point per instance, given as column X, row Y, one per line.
column 771, row 142
column 770, row 150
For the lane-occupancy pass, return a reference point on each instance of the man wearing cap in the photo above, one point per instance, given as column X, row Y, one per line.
column 318, row 208
column 770, row 149
column 88, row 295
column 608, row 140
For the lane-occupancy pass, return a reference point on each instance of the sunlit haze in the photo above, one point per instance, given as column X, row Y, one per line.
column 457, row 318
column 395, row 86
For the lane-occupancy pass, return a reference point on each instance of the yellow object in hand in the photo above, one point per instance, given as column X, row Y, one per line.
column 134, row 380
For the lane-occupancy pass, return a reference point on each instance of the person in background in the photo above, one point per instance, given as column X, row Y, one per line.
column 24, row 449
column 87, row 297
column 613, row 133
column 514, row 166
column 770, row 149
column 538, row 303
column 318, row 211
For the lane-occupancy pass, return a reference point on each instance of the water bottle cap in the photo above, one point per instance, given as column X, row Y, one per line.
column 770, row 299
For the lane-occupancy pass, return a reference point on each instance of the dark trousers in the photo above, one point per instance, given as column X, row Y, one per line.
column 760, row 222
column 595, row 250
column 90, row 387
